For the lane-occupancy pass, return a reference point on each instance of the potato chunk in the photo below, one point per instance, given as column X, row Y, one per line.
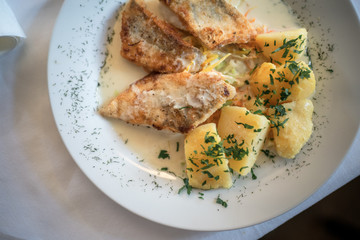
column 243, row 134
column 290, row 82
column 279, row 47
column 291, row 125
column 206, row 164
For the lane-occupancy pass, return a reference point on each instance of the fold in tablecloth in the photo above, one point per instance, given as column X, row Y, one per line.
column 11, row 34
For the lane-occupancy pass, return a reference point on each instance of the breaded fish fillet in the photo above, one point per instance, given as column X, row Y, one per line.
column 155, row 44
column 214, row 22
column 176, row 101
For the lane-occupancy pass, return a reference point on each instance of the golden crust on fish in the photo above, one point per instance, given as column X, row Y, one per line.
column 177, row 101
column 214, row 22
column 155, row 44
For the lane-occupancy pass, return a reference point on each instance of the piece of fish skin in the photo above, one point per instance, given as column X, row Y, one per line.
column 154, row 44
column 178, row 102
column 215, row 22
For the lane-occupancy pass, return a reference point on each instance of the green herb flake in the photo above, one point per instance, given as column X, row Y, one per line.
column 201, row 195
column 253, row 70
column 185, row 107
column 271, row 79
column 285, row 93
column 253, row 176
column 207, row 166
column 278, row 124
column 186, row 186
column 259, row 112
column 221, row 202
column 164, row 154
column 268, row 153
column 242, row 168
column 192, row 161
column 279, row 110
column 247, row 126
column 208, row 173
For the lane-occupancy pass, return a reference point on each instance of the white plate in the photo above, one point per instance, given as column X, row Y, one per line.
column 77, row 52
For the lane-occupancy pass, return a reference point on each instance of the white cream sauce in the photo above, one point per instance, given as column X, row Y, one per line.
column 118, row 74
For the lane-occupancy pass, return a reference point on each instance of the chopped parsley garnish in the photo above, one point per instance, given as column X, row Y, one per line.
column 281, row 77
column 285, row 93
column 208, row 173
column 164, row 154
column 278, row 124
column 258, row 112
column 289, row 44
column 185, row 107
column 207, row 166
column 214, row 150
column 268, row 153
column 209, row 139
column 201, row 195
column 242, row 168
column 253, row 70
column 253, row 176
column 192, row 161
column 247, row 126
column 258, row 101
column 235, row 151
column 221, row 202
column 186, row 186
column 271, row 79
column 279, row 110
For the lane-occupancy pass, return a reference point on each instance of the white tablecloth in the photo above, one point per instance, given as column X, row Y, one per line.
column 43, row 193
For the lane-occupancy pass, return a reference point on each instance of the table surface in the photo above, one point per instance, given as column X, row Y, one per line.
column 44, row 195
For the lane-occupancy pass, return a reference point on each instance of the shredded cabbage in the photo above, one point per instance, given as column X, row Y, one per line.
column 212, row 66
column 235, row 70
column 230, row 62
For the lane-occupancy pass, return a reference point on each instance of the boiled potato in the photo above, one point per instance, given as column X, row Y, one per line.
column 255, row 105
column 290, row 82
column 261, row 85
column 243, row 134
column 300, row 80
column 279, row 47
column 206, row 164
column 292, row 126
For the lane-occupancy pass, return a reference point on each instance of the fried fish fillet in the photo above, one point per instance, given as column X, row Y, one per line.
column 214, row 22
column 176, row 101
column 155, row 44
